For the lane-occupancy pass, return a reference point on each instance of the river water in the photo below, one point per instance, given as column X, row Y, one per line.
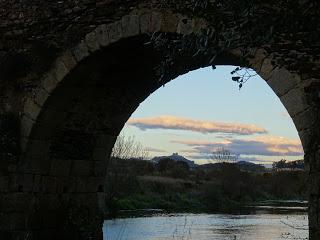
column 263, row 224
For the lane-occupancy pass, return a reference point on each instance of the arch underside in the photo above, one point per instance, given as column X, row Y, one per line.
column 61, row 171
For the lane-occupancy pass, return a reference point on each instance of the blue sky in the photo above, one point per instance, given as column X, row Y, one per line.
column 204, row 109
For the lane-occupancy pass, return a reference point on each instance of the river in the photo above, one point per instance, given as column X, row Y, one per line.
column 261, row 224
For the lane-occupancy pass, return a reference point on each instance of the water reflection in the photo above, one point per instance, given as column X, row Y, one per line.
column 209, row 226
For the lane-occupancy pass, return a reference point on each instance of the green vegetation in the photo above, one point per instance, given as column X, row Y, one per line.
column 221, row 187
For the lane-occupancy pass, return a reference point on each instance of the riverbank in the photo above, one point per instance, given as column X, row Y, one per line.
column 176, row 188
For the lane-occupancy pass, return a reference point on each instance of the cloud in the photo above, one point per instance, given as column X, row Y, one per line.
column 176, row 123
column 151, row 149
column 263, row 146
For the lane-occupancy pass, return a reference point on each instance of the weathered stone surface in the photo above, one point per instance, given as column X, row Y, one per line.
column 305, row 137
column 80, row 51
column 266, row 68
column 130, row 25
column 282, row 81
column 82, row 168
column 294, row 101
column 92, row 41
column 41, row 96
column 60, row 167
column 150, row 22
column 115, row 31
column 36, row 165
column 49, row 83
column 170, row 22
column 102, row 35
column 26, row 125
column 31, row 109
column 37, row 148
column 4, row 183
column 185, row 26
column 305, row 119
column 100, row 168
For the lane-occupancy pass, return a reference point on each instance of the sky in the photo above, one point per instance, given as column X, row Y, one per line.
column 203, row 110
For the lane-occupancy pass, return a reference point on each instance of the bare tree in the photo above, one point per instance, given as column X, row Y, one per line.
column 127, row 147
column 223, row 155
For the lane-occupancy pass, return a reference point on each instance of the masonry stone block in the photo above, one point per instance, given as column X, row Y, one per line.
column 31, row 109
column 12, row 221
column 198, row 25
column 72, row 184
column 49, row 201
column 59, row 70
column 305, row 137
column 305, row 119
column 41, row 96
column 101, row 154
column 82, row 185
column 36, row 165
column 92, row 41
column 80, row 51
column 94, row 183
column 37, row 147
column 49, row 82
column 130, row 25
column 266, row 68
column 170, row 22
column 257, row 60
column 82, row 168
column 294, row 101
column 144, row 22
column 24, row 182
column 37, row 183
column 150, row 22
column 100, row 168
column 155, row 22
column 102, row 35
column 49, row 184
column 16, row 202
column 115, row 31
column 185, row 26
column 281, row 81
column 4, row 183
column 60, row 167
column 26, row 125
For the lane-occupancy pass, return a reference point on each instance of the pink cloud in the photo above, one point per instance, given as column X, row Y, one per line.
column 265, row 146
column 177, row 123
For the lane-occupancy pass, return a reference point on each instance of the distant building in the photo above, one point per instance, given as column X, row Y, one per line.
column 176, row 157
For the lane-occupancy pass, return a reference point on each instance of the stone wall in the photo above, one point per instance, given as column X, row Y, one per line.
column 72, row 73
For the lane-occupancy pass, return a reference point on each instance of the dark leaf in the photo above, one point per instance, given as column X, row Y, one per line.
column 236, row 79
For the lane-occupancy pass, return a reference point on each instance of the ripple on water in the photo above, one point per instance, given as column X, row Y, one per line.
column 209, row 227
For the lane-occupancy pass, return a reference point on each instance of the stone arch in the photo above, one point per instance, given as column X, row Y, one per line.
column 78, row 180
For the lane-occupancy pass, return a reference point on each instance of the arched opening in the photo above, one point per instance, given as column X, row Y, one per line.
column 69, row 128
column 190, row 116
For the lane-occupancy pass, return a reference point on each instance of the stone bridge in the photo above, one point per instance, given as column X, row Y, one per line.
column 73, row 71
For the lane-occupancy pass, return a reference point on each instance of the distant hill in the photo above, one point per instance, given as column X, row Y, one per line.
column 176, row 157
column 242, row 165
